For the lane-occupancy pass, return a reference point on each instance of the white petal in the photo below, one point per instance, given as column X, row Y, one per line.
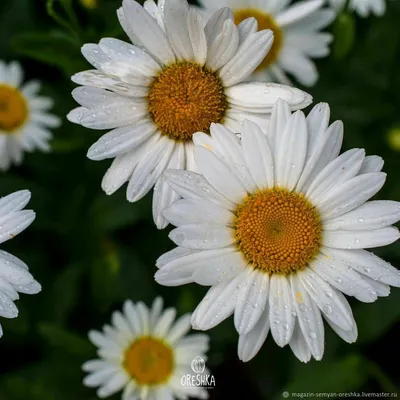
column 333, row 307
column 194, row 186
column 260, row 97
column 184, row 212
column 180, row 270
column 215, row 23
column 247, row 58
column 250, row 344
column 197, row 36
column 121, row 140
column 98, row 378
column 132, row 317
column 176, row 17
column 258, row 155
column 351, row 194
column 114, row 384
column 299, row 345
column 165, row 322
column 217, row 305
column 367, row 264
column 14, row 223
column 226, row 146
column 130, row 57
column 327, row 145
column 290, row 151
column 115, row 114
column 279, row 117
column 340, row 170
column 371, row 164
column 221, row 269
column 95, row 78
column 298, row 12
column 179, row 329
column 7, row 307
column 309, row 318
column 360, row 239
column 164, row 195
column 223, row 48
column 149, row 169
column 369, row 216
column 156, row 310
column 148, row 31
column 120, row 171
column 224, row 181
column 343, row 278
column 247, row 27
column 202, row 236
column 281, row 311
column 14, row 202
column 251, row 300
column 317, row 123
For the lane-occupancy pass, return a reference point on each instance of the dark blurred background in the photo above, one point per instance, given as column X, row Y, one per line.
column 90, row 251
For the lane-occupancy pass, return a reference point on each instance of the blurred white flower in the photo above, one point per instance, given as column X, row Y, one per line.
column 297, row 35
column 277, row 224
column 176, row 79
column 14, row 274
column 362, row 7
column 145, row 353
column 24, row 117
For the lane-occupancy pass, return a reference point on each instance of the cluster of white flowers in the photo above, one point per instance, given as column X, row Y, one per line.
column 268, row 213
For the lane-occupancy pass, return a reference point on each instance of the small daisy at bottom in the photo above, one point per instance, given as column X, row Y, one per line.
column 146, row 354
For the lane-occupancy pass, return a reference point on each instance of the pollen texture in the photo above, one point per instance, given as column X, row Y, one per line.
column 278, row 231
column 186, row 98
column 149, row 361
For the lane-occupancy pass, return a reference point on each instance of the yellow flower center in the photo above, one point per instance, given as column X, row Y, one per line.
column 13, row 109
column 149, row 361
column 186, row 98
column 278, row 231
column 265, row 21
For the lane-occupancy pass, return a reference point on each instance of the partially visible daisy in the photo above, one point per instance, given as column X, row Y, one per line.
column 145, row 354
column 277, row 225
column 177, row 78
column 14, row 274
column 24, row 117
column 297, row 35
column 362, row 7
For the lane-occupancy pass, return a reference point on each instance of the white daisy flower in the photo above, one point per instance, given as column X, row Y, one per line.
column 362, row 7
column 176, row 79
column 146, row 354
column 24, row 117
column 277, row 225
column 297, row 35
column 14, row 274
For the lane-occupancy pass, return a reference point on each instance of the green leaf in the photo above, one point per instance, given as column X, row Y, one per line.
column 53, row 48
column 337, row 376
column 65, row 340
column 344, row 32
column 105, row 276
column 374, row 319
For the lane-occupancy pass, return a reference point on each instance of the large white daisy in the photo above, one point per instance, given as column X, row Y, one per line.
column 362, row 7
column 146, row 354
column 14, row 274
column 297, row 35
column 277, row 225
column 24, row 117
column 176, row 79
